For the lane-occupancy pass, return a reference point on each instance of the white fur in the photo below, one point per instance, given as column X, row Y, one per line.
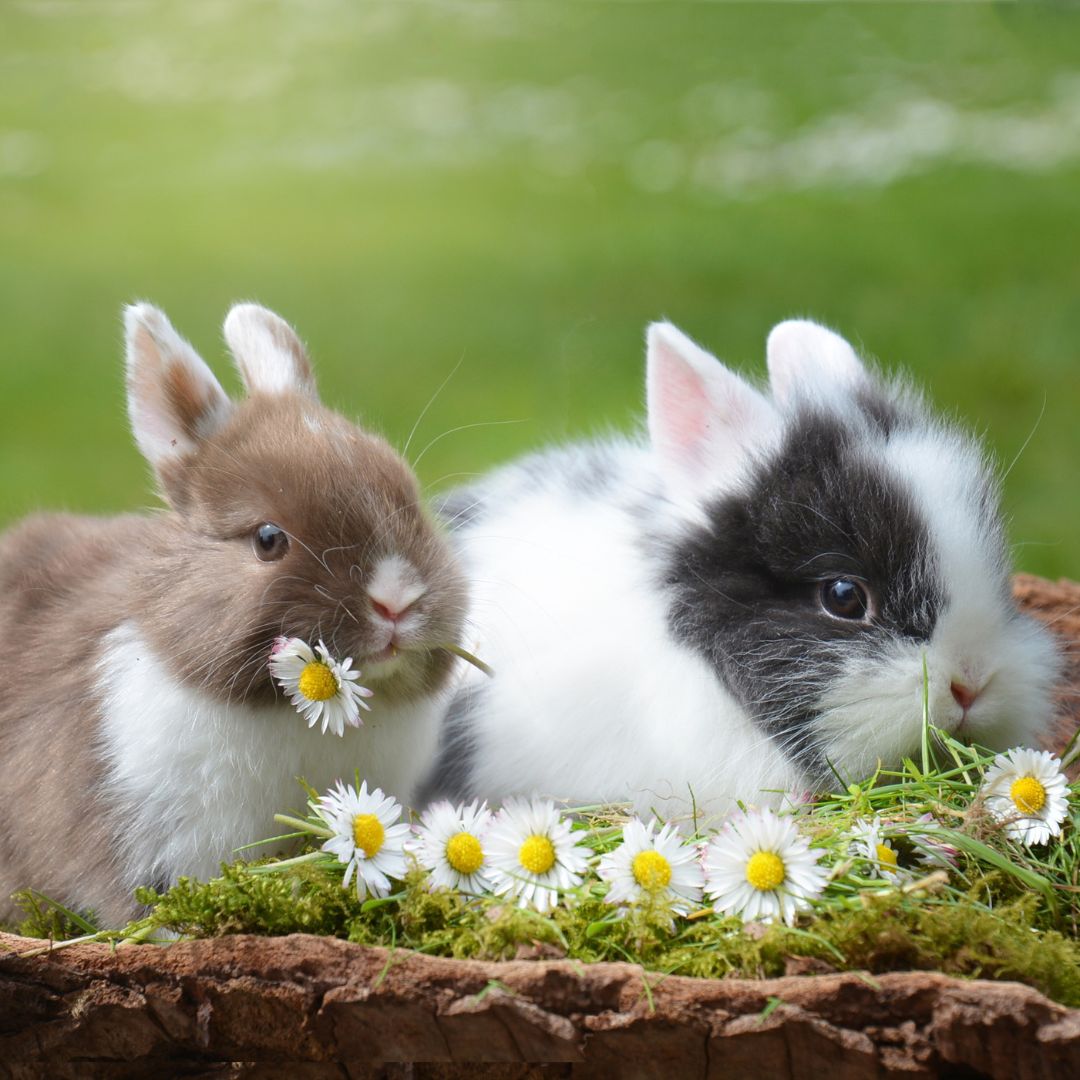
column 592, row 699
column 396, row 584
column 873, row 712
column 809, row 361
column 978, row 640
column 189, row 779
column 269, row 355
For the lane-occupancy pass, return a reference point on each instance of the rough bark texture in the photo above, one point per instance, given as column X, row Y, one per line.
column 314, row 1007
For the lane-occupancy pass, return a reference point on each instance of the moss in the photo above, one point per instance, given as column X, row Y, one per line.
column 876, row 932
column 245, row 901
column 956, row 938
column 44, row 918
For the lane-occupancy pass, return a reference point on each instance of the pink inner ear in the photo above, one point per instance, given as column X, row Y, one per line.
column 681, row 409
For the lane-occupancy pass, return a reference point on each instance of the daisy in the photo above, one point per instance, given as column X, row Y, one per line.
column 450, row 843
column 1026, row 789
column 876, row 849
column 319, row 686
column 650, row 867
column 366, row 837
column 759, row 867
column 533, row 854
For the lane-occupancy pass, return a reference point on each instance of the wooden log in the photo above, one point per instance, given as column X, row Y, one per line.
column 309, row 1006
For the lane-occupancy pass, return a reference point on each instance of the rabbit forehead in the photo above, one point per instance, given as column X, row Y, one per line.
column 285, row 459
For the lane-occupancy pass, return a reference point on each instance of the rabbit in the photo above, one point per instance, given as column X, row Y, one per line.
column 738, row 605
column 141, row 735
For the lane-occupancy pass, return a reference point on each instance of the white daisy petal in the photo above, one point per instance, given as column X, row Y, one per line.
column 649, row 865
column 450, row 843
column 872, row 845
column 319, row 687
column 532, row 854
column 367, row 836
column 931, row 851
column 1027, row 790
column 759, row 868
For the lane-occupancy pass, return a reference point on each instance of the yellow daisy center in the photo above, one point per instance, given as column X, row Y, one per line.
column 464, row 853
column 886, row 856
column 765, row 870
column 368, row 834
column 651, row 870
column 317, row 682
column 537, row 854
column 1028, row 795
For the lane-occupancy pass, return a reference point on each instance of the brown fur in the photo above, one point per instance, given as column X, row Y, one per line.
column 206, row 605
column 59, row 590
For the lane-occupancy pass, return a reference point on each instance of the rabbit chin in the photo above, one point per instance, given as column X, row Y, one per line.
column 874, row 711
column 408, row 676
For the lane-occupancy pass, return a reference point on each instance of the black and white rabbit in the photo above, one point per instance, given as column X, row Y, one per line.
column 742, row 602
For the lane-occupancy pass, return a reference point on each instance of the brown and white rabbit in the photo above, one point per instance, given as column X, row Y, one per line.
column 743, row 601
column 141, row 736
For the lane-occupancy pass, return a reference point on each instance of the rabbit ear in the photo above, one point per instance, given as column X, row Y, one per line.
column 808, row 360
column 174, row 401
column 703, row 418
column 269, row 356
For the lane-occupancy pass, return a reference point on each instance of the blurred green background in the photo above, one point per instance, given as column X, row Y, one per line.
column 520, row 187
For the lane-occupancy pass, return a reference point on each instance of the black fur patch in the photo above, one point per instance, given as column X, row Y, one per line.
column 746, row 588
column 882, row 412
column 451, row 776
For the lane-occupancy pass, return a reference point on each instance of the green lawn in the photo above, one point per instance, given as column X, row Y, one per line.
column 521, row 187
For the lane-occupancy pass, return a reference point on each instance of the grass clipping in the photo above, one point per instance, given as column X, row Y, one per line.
column 996, row 909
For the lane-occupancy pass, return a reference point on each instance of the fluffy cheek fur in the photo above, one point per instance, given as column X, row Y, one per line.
column 873, row 711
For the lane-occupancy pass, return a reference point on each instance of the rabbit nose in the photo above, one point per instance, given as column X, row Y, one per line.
column 394, row 589
column 391, row 611
column 964, row 695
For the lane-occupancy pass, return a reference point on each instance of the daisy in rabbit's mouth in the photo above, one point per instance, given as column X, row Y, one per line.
column 320, row 687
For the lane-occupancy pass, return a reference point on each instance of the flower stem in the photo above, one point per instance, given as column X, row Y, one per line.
column 303, row 826
column 467, row 656
column 282, row 864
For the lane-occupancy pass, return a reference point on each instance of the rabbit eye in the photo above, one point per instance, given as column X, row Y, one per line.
column 844, row 598
column 269, row 542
